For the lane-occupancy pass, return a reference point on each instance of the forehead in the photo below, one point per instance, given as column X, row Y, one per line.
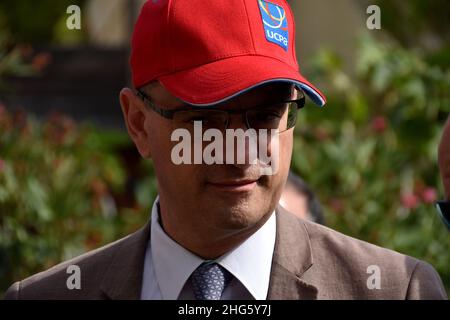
column 264, row 93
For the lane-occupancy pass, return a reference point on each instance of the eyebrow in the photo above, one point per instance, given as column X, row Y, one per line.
column 148, row 96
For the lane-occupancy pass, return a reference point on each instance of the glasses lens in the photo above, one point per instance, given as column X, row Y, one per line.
column 292, row 115
column 210, row 119
column 280, row 116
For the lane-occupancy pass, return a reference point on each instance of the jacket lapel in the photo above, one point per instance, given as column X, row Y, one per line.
column 123, row 278
column 292, row 258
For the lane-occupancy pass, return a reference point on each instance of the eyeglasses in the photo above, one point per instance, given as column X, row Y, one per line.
column 281, row 116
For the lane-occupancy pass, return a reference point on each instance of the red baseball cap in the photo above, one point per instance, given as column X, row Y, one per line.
column 206, row 52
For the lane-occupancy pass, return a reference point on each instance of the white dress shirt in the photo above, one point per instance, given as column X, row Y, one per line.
column 168, row 265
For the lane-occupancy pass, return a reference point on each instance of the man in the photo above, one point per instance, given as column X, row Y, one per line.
column 444, row 168
column 299, row 199
column 216, row 231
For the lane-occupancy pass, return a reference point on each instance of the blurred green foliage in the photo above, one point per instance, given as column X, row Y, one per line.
column 11, row 61
column 371, row 154
column 59, row 184
column 418, row 25
column 39, row 22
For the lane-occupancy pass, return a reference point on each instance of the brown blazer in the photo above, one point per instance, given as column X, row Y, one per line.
column 310, row 262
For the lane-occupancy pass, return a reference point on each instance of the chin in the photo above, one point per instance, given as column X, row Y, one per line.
column 241, row 217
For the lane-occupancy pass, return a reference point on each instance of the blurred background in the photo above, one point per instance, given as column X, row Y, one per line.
column 71, row 180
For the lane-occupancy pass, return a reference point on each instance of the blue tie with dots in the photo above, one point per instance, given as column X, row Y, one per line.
column 209, row 281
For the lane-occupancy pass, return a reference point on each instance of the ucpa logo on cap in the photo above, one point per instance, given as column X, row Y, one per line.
column 275, row 23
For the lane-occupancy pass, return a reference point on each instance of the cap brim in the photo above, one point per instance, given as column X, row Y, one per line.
column 224, row 79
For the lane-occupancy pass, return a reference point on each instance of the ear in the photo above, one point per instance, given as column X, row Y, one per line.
column 135, row 114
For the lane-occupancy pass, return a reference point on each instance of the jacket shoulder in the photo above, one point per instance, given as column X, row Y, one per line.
column 53, row 283
column 356, row 264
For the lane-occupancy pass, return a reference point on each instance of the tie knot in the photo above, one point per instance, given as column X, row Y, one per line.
column 209, row 281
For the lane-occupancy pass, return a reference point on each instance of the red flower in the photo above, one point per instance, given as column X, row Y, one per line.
column 93, row 240
column 59, row 127
column 41, row 61
column 410, row 201
column 379, row 124
column 429, row 195
column 337, row 205
column 25, row 49
column 99, row 188
column 321, row 134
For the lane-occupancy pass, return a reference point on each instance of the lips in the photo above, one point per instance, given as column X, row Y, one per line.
column 235, row 185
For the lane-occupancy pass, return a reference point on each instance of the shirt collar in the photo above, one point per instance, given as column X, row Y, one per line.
column 250, row 262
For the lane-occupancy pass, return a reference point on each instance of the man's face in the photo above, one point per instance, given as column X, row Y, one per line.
column 221, row 197
column 444, row 158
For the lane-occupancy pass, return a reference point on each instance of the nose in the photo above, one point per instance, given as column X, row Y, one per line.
column 237, row 121
column 241, row 147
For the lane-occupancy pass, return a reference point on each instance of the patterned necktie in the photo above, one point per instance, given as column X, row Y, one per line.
column 209, row 281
